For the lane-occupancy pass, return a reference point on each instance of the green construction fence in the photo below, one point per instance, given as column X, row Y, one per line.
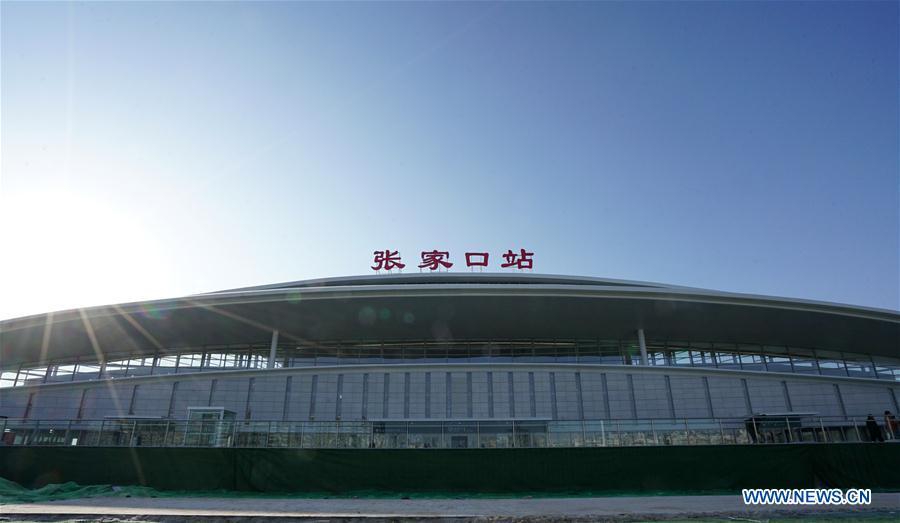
column 526, row 470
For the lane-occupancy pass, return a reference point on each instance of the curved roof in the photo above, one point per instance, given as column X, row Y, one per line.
column 450, row 277
column 447, row 306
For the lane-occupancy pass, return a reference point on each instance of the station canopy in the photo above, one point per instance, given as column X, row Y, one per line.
column 446, row 307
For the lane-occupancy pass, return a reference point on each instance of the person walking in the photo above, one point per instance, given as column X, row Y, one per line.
column 890, row 425
column 750, row 425
column 874, row 429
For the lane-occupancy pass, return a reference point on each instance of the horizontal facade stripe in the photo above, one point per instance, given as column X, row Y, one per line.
column 463, row 367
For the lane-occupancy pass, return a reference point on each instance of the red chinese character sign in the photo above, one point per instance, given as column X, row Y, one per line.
column 436, row 260
column 387, row 260
column 476, row 259
column 520, row 261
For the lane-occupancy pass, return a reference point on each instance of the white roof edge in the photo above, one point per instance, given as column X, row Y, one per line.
column 633, row 288
column 685, row 293
column 489, row 277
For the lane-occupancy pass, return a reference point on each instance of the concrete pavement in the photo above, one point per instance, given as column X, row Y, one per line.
column 651, row 507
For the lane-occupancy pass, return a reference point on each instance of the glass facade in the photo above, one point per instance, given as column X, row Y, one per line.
column 746, row 357
column 209, row 430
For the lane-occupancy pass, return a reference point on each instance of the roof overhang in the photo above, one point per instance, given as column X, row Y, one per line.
column 448, row 307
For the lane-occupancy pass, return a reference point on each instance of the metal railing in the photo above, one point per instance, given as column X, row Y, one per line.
column 128, row 432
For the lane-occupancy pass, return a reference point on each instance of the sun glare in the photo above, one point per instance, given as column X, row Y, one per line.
column 67, row 250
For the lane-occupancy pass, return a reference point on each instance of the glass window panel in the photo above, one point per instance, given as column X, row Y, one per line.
column 279, row 357
column 530, row 434
column 547, row 353
column 609, row 348
column 138, row 366
column 501, row 352
column 116, row 368
column 656, row 354
column 778, row 363
column 613, row 359
column 479, row 352
column 682, row 357
column 884, row 372
column 805, row 366
column 370, row 354
column 306, row 357
column 859, row 368
column 611, row 354
column 522, row 352
column 393, row 353
column 166, row 361
column 631, row 353
column 702, row 358
column 327, row 355
column 657, row 358
column 529, row 353
column 258, row 359
column 62, row 372
column 457, row 353
column 677, row 353
column 413, row 354
column 887, row 368
column 728, row 360
column 190, row 362
column 32, row 375
column 495, row 434
column 567, row 353
column 165, row 365
column 752, row 362
column 593, row 353
column 8, row 378
column 87, row 371
column 831, row 363
column 435, row 353
column 349, row 354
column 66, row 368
column 215, row 360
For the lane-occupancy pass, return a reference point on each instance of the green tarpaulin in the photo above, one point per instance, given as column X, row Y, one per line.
column 11, row 492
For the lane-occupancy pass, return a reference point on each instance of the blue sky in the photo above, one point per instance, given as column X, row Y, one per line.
column 159, row 149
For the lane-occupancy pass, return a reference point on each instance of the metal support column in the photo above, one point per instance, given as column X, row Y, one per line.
column 643, row 344
column 272, row 348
